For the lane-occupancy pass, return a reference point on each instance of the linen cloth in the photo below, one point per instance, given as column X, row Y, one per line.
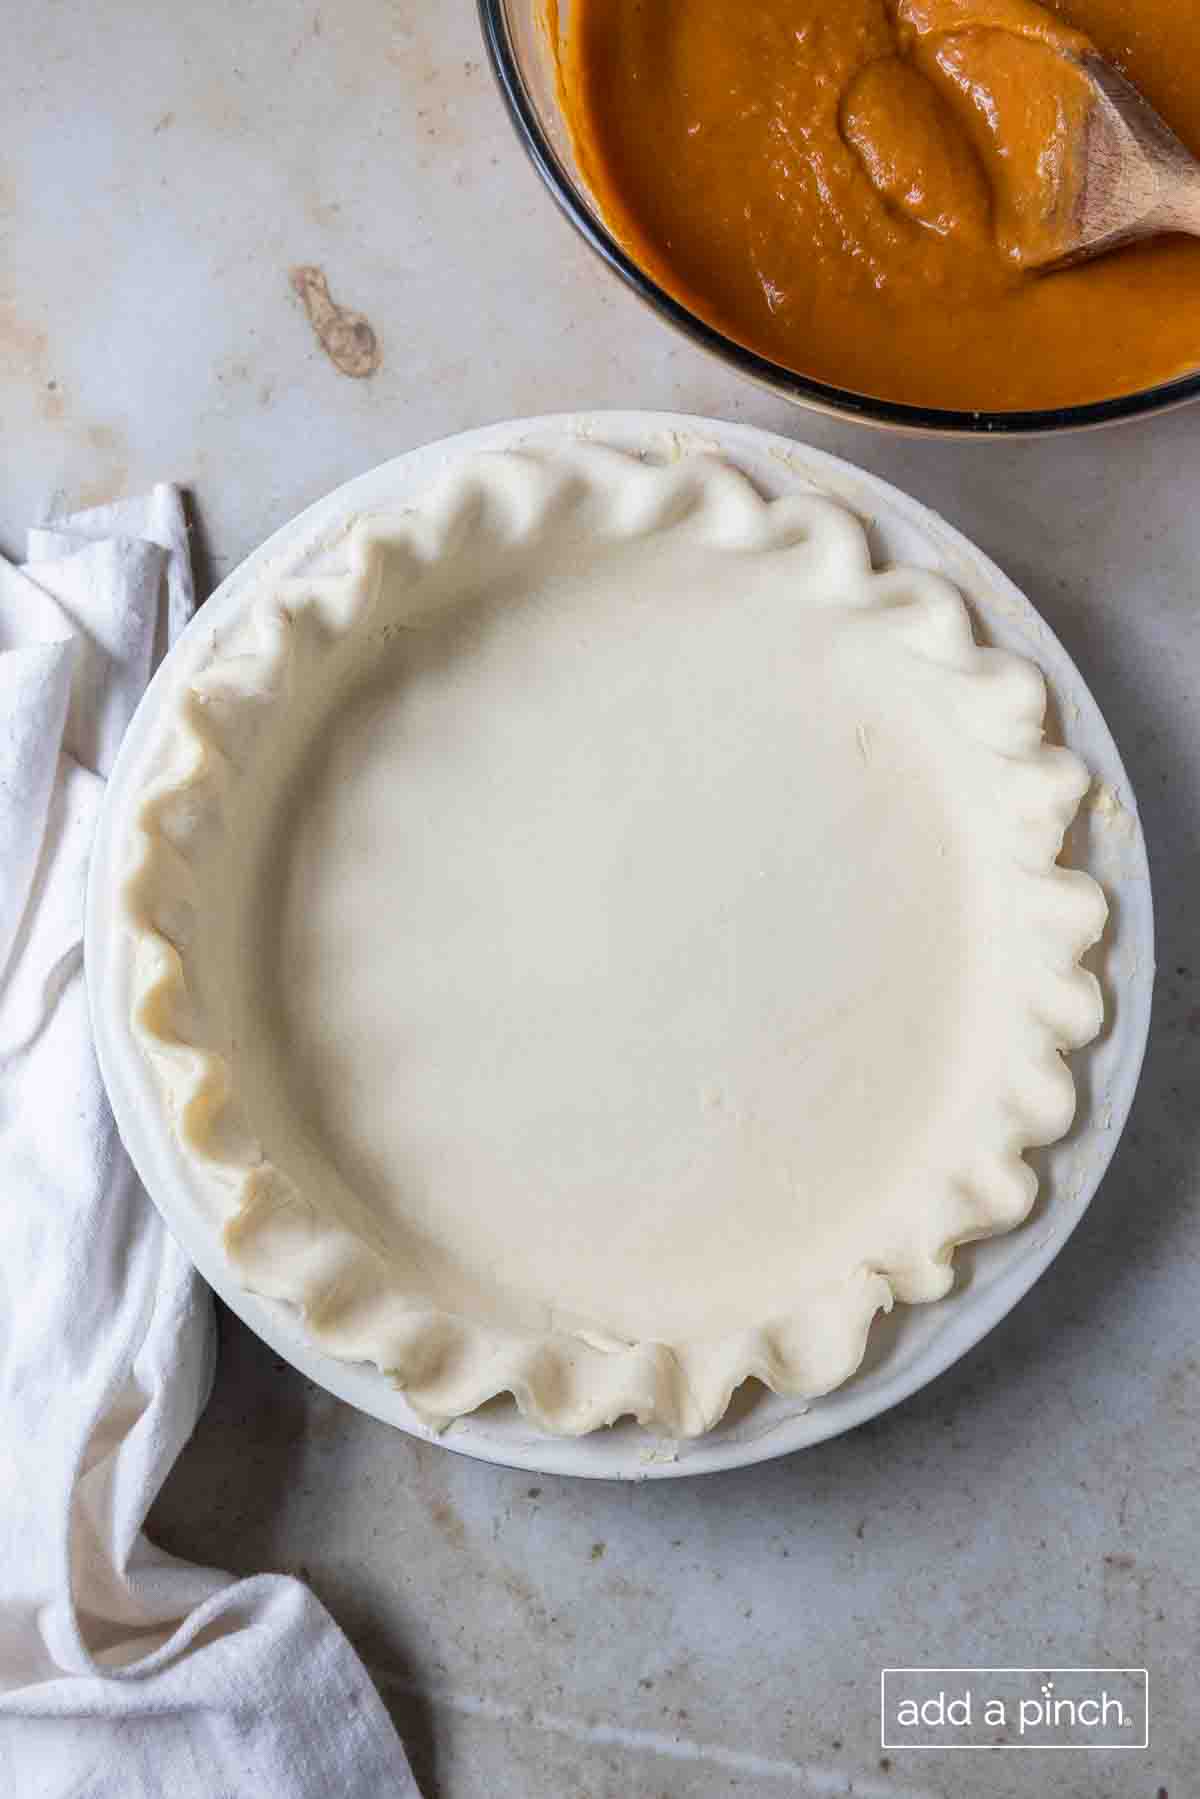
column 123, row 1671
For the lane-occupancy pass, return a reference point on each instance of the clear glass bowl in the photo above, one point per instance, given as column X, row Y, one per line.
column 517, row 43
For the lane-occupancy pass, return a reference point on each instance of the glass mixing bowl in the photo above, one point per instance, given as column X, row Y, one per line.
column 515, row 32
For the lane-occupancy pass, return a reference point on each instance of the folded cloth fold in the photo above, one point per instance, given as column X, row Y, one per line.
column 123, row 1671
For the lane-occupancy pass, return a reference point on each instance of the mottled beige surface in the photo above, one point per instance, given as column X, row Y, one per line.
column 160, row 174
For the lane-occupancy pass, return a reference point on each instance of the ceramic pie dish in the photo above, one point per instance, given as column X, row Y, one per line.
column 590, row 933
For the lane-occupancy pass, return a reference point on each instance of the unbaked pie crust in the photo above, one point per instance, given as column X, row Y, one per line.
column 606, row 941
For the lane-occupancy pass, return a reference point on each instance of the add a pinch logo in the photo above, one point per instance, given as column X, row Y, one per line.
column 1014, row 1708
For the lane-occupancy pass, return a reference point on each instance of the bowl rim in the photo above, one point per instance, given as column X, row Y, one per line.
column 819, row 396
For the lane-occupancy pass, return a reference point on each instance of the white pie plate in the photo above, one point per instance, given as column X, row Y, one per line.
column 914, row 1344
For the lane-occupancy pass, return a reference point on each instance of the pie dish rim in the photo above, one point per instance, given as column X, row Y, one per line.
column 488, row 1436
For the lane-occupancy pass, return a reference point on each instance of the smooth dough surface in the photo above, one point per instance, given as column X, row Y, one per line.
column 617, row 943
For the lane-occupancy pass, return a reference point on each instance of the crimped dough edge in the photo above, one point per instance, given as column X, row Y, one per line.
column 282, row 1244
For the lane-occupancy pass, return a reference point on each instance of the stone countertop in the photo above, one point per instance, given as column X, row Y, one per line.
column 162, row 170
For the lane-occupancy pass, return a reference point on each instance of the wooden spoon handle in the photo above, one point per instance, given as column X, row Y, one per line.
column 1179, row 208
column 1141, row 178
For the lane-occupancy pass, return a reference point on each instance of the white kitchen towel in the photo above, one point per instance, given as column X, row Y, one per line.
column 123, row 1671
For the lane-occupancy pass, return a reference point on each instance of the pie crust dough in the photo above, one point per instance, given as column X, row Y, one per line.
column 604, row 940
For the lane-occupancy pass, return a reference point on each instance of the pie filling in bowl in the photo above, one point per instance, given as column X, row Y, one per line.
column 607, row 942
column 866, row 191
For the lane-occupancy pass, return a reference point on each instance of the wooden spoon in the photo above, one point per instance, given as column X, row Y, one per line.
column 1138, row 178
